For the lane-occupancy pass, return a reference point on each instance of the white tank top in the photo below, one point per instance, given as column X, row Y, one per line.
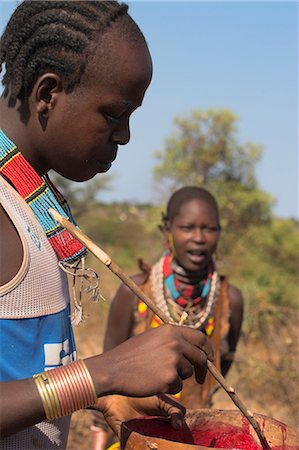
column 36, row 331
column 22, row 297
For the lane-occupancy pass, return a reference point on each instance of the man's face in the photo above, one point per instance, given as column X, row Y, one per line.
column 87, row 125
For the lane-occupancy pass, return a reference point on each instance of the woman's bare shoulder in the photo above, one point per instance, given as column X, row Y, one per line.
column 236, row 299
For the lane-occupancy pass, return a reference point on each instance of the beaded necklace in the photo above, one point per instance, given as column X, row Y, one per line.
column 200, row 314
column 185, row 294
column 40, row 194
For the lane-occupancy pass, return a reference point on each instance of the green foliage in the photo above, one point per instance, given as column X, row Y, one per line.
column 205, row 151
column 240, row 206
column 205, row 148
column 264, row 262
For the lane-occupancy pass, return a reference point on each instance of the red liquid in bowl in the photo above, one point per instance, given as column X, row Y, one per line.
column 217, row 434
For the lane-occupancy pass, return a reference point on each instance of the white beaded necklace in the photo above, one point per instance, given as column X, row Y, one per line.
column 197, row 317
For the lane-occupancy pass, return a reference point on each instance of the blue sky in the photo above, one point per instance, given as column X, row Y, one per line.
column 237, row 55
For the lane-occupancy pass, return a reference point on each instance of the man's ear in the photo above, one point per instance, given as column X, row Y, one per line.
column 45, row 93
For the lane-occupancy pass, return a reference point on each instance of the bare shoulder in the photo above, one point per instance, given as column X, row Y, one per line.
column 236, row 299
column 121, row 314
column 140, row 278
column 125, row 292
column 11, row 249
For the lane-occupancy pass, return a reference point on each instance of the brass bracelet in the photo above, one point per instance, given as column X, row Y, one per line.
column 65, row 389
column 90, row 380
column 51, row 386
column 48, row 395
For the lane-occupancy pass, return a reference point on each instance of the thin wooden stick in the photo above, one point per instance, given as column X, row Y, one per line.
column 105, row 259
column 183, row 318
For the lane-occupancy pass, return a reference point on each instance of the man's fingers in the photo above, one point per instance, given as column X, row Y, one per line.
column 174, row 410
column 198, row 359
column 200, row 374
column 185, row 369
column 176, row 420
column 197, row 350
column 199, row 340
column 175, row 387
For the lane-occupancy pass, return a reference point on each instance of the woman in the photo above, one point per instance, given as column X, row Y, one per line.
column 184, row 280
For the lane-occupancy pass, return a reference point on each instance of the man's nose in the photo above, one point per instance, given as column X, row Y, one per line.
column 121, row 135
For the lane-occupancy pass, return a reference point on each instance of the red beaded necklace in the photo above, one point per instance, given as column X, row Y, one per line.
column 40, row 194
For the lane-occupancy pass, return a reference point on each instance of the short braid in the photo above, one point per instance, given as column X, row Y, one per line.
column 39, row 21
column 21, row 19
column 46, row 40
column 53, row 35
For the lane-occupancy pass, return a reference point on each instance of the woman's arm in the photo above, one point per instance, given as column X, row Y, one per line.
column 236, row 304
column 120, row 319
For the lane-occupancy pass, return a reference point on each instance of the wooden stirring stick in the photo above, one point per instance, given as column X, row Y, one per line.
column 105, row 259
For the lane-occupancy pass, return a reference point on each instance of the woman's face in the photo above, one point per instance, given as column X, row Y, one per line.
column 195, row 233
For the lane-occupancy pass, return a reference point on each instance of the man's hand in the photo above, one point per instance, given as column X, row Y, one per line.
column 151, row 363
column 118, row 409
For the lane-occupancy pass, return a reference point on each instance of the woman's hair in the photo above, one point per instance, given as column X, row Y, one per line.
column 185, row 195
column 56, row 36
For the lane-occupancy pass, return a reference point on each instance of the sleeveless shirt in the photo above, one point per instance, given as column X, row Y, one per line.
column 36, row 331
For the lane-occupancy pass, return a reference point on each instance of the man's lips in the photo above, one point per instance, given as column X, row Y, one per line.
column 102, row 166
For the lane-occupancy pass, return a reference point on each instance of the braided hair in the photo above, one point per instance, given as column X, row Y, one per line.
column 184, row 195
column 56, row 36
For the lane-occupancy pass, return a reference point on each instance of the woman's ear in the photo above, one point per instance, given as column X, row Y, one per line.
column 165, row 222
column 45, row 92
column 168, row 239
column 166, row 226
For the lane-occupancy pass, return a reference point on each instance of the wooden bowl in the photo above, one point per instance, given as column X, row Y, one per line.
column 206, row 428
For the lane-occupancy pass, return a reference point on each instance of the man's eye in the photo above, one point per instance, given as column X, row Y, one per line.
column 112, row 119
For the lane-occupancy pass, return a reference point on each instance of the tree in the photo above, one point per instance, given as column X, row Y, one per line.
column 205, row 151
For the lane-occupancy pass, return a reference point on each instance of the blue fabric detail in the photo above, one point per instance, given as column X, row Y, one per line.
column 30, row 346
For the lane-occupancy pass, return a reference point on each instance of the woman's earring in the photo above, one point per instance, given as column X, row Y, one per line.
column 171, row 245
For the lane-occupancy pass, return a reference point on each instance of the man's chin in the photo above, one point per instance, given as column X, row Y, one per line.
column 104, row 168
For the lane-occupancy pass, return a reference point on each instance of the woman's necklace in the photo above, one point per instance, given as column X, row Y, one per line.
column 186, row 288
column 198, row 310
